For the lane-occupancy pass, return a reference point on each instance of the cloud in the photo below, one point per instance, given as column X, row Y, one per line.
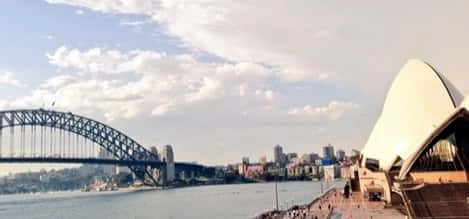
column 125, row 84
column 267, row 95
column 79, row 12
column 225, row 28
column 59, row 81
column 162, row 109
column 320, row 41
column 243, row 88
column 333, row 111
column 97, row 60
column 208, row 89
column 8, row 78
column 3, row 104
column 112, row 6
column 135, row 23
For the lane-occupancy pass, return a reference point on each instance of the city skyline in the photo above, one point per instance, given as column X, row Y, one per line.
column 204, row 78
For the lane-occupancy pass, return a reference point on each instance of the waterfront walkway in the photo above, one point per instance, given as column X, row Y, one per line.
column 333, row 205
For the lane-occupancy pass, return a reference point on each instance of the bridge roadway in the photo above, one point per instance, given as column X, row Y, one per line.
column 154, row 164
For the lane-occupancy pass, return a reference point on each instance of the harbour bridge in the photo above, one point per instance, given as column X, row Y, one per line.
column 48, row 136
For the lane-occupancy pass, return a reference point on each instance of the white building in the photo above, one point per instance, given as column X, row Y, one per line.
column 331, row 172
column 418, row 105
column 421, row 136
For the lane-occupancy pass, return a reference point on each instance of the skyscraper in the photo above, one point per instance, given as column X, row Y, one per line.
column 167, row 156
column 340, row 155
column 279, row 156
column 328, row 152
column 245, row 160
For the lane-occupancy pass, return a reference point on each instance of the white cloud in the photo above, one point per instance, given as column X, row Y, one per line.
column 112, row 99
column 267, row 95
column 208, row 89
column 125, row 84
column 161, row 109
column 333, row 111
column 298, row 41
column 59, row 81
column 317, row 40
column 135, row 23
column 243, row 88
column 122, row 6
column 79, row 12
column 317, row 131
column 225, row 28
column 3, row 104
column 8, row 78
column 97, row 60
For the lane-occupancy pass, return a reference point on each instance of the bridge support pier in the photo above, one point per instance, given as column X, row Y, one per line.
column 163, row 175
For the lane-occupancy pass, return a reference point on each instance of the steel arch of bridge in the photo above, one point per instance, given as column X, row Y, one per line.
column 117, row 143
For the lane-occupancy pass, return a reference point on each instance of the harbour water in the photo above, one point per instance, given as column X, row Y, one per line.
column 220, row 201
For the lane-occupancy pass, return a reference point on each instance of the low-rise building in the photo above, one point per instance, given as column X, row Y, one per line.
column 346, row 172
column 254, row 170
column 250, row 170
column 331, row 172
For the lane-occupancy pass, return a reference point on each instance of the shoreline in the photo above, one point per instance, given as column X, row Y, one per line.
column 150, row 188
column 140, row 188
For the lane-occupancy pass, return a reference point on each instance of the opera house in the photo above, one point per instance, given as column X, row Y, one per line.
column 417, row 155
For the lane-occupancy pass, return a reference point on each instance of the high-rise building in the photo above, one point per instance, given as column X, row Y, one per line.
column 279, row 156
column 245, row 160
column 328, row 152
column 167, row 156
column 340, row 155
column 291, row 157
column 314, row 156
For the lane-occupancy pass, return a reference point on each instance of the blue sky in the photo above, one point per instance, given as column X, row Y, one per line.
column 224, row 79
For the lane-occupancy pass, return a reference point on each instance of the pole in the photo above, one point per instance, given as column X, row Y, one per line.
column 276, row 188
column 276, row 196
column 321, row 188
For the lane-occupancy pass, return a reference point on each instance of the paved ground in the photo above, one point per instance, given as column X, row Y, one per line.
column 358, row 207
column 334, row 205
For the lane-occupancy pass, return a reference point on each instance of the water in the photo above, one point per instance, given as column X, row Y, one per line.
column 221, row 201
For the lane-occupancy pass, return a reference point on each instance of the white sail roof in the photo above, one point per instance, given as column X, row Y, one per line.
column 465, row 102
column 419, row 100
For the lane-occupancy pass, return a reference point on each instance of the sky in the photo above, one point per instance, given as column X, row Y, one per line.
column 223, row 79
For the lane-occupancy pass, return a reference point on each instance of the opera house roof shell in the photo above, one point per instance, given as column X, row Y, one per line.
column 419, row 102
